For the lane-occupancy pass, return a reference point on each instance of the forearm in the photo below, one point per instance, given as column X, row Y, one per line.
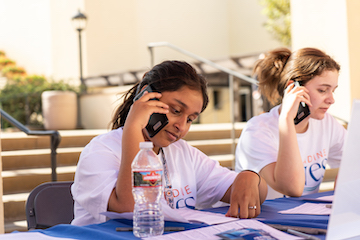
column 263, row 190
column 288, row 175
column 121, row 199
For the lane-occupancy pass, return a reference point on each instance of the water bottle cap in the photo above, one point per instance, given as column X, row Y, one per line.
column 146, row 145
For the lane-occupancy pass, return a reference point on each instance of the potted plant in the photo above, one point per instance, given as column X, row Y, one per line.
column 22, row 99
column 59, row 106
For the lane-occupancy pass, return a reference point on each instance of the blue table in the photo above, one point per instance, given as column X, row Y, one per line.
column 269, row 215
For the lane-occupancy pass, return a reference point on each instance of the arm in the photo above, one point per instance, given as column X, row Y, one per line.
column 121, row 198
column 286, row 175
column 247, row 190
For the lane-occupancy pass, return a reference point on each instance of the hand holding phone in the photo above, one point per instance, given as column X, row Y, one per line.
column 157, row 121
column 303, row 110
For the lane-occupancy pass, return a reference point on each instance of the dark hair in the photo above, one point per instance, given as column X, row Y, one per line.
column 280, row 66
column 166, row 76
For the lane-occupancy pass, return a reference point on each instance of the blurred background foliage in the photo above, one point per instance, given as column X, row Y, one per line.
column 21, row 95
column 278, row 22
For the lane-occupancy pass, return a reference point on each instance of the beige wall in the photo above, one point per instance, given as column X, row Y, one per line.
column 333, row 26
column 27, row 40
column 40, row 37
column 247, row 34
column 97, row 108
column 220, row 115
column 63, row 39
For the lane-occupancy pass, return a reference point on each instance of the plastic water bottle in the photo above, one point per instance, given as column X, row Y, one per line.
column 147, row 170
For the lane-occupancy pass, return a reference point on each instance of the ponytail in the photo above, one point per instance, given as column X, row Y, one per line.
column 268, row 72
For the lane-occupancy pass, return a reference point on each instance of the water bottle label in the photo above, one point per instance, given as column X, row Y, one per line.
column 147, row 178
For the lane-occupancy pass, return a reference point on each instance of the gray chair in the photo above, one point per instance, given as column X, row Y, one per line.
column 49, row 204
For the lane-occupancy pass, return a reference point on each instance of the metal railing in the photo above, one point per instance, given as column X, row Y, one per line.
column 230, row 73
column 55, row 139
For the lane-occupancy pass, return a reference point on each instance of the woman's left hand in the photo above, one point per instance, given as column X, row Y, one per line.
column 247, row 194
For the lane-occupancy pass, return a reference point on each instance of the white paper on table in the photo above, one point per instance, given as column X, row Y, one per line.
column 184, row 215
column 202, row 216
column 328, row 199
column 30, row 236
column 169, row 215
column 310, row 209
column 115, row 215
column 208, row 233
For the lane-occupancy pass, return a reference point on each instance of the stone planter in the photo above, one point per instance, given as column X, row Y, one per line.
column 59, row 109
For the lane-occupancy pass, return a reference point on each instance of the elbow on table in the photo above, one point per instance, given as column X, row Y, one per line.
column 120, row 207
column 293, row 191
column 289, row 188
column 120, row 204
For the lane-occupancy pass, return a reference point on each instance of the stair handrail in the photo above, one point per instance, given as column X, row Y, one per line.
column 231, row 74
column 201, row 59
column 55, row 139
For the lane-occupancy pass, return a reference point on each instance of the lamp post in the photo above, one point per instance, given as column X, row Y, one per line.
column 79, row 22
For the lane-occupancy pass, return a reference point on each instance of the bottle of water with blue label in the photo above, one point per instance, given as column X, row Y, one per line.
column 147, row 170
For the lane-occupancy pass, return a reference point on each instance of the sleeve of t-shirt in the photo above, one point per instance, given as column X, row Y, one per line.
column 212, row 180
column 338, row 136
column 96, row 175
column 257, row 147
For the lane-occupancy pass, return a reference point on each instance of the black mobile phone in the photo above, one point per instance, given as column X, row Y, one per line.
column 157, row 121
column 303, row 110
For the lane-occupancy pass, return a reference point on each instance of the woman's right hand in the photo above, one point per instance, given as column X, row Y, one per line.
column 142, row 109
column 292, row 97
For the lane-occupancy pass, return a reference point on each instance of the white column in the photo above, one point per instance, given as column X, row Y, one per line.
column 1, row 194
column 332, row 26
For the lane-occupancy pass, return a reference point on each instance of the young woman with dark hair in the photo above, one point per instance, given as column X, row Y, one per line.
column 103, row 176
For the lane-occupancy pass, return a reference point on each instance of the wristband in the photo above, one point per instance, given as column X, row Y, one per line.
column 248, row 170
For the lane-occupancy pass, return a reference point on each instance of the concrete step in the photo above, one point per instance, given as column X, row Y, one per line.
column 214, row 146
column 24, row 180
column 214, row 131
column 79, row 138
column 14, row 206
column 15, row 225
column 17, row 185
column 69, row 138
column 37, row 158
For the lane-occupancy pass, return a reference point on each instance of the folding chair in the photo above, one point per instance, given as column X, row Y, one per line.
column 49, row 204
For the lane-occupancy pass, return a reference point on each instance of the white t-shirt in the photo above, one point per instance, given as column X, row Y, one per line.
column 197, row 181
column 320, row 145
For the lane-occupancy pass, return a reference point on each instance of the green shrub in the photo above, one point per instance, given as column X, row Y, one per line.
column 5, row 62
column 278, row 19
column 21, row 98
column 13, row 71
